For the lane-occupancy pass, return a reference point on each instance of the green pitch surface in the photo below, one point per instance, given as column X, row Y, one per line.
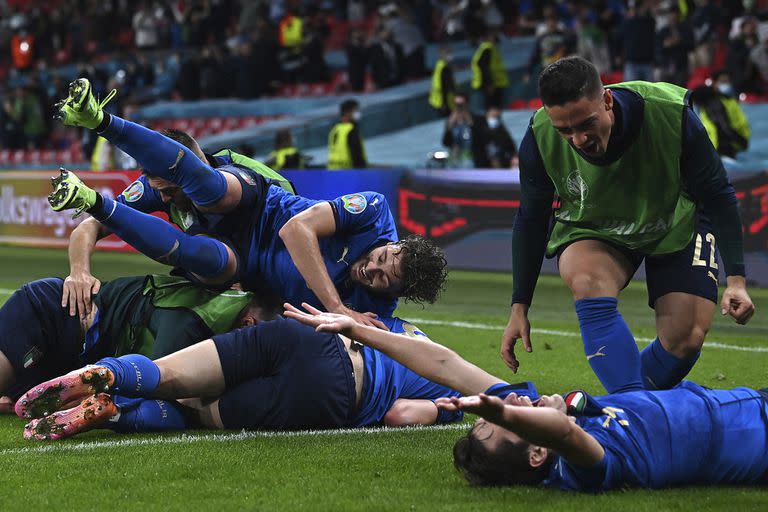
column 373, row 469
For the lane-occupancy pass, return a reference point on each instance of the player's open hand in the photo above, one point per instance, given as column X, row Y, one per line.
column 517, row 328
column 79, row 287
column 489, row 407
column 320, row 320
column 736, row 301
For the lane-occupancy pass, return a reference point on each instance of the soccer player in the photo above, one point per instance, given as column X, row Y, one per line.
column 329, row 253
column 637, row 179
column 641, row 438
column 153, row 315
column 275, row 375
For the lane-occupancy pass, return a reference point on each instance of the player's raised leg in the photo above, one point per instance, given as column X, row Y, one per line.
column 596, row 272
column 157, row 154
column 213, row 261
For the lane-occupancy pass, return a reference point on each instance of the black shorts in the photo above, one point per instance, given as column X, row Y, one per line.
column 39, row 338
column 692, row 270
column 282, row 375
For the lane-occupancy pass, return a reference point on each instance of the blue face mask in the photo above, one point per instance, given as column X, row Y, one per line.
column 493, row 122
column 726, row 89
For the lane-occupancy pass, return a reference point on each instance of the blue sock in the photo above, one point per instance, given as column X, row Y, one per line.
column 161, row 241
column 167, row 159
column 146, row 415
column 662, row 370
column 609, row 345
column 135, row 375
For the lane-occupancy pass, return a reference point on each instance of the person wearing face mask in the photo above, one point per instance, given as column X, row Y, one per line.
column 443, row 91
column 346, row 149
column 722, row 116
column 462, row 135
column 499, row 149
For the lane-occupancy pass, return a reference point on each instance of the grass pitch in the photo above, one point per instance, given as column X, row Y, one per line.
column 371, row 469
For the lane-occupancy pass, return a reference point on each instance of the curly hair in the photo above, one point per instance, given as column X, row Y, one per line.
column 423, row 268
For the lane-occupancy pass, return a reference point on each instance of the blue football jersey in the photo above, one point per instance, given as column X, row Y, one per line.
column 386, row 380
column 686, row 435
column 363, row 222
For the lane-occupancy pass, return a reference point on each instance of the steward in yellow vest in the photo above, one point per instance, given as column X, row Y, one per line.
column 346, row 149
column 442, row 93
column 488, row 73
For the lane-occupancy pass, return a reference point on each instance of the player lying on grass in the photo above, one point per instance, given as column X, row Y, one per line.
column 152, row 315
column 688, row 435
column 275, row 375
column 329, row 253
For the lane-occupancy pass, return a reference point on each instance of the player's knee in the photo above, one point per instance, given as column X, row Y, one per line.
column 588, row 284
column 685, row 343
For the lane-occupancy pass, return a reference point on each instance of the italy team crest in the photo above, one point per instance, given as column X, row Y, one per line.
column 354, row 203
column 134, row 192
column 247, row 177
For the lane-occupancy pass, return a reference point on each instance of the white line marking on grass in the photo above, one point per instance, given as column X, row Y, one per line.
column 572, row 334
column 221, row 438
column 6, row 291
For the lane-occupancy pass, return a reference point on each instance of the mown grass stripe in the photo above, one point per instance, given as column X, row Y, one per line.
column 571, row 334
column 220, row 438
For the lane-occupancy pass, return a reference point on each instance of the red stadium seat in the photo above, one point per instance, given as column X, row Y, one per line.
column 518, row 104
column 535, row 103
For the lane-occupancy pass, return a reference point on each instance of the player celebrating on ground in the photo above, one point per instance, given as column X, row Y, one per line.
column 329, row 253
column 637, row 179
column 686, row 435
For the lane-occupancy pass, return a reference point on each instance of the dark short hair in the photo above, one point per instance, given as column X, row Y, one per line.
column 265, row 304
column 181, row 137
column 422, row 264
column 283, row 138
column 567, row 80
column 508, row 465
column 348, row 106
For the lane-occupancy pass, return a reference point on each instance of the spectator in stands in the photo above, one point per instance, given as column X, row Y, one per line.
column 146, row 25
column 292, row 35
column 316, row 32
column 357, row 59
column 285, row 155
column 554, row 43
column 705, row 22
column 407, row 35
column 462, row 135
column 759, row 59
column 635, row 41
column 722, row 116
column 386, row 60
column 497, row 149
column 740, row 67
column 196, row 15
column 592, row 43
column 673, row 42
column 346, row 149
column 11, row 123
column 23, row 49
column 489, row 76
column 35, row 125
column 443, row 90
column 247, row 73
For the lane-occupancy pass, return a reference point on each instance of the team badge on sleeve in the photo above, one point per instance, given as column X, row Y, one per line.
column 247, row 177
column 134, row 191
column 354, row 203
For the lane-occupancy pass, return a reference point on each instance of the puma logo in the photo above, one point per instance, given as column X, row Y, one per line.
column 710, row 274
column 165, row 258
column 376, row 200
column 599, row 353
column 176, row 163
column 344, row 255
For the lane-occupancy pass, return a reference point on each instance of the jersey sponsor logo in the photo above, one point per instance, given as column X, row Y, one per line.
column 134, row 192
column 247, row 177
column 354, row 203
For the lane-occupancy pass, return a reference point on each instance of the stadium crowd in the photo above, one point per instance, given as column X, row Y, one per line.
column 189, row 50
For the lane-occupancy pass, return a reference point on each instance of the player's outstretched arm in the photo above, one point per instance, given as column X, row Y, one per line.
column 301, row 236
column 541, row 426
column 80, row 284
column 430, row 360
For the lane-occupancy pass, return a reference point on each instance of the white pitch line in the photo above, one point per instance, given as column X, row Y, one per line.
column 220, row 438
column 572, row 334
column 6, row 291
